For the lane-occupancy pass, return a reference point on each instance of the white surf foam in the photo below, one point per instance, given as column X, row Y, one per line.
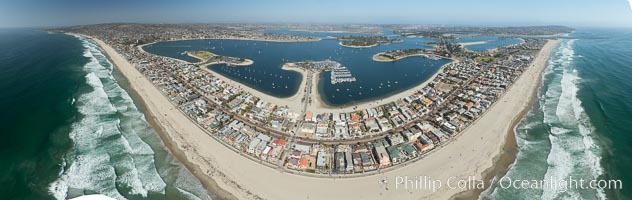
column 103, row 143
column 573, row 151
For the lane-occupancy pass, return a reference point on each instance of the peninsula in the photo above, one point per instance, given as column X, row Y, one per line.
column 209, row 58
column 222, row 129
column 401, row 54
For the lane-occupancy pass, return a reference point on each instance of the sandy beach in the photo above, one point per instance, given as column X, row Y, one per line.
column 246, row 61
column 293, row 103
column 472, row 43
column 357, row 47
column 506, row 157
column 379, row 58
column 469, row 155
column 318, row 106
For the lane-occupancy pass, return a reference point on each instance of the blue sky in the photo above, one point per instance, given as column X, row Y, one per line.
column 23, row 13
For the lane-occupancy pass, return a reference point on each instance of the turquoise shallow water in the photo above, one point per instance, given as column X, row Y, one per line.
column 580, row 127
column 70, row 129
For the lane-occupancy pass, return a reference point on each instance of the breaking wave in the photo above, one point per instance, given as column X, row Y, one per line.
column 109, row 156
column 573, row 151
column 556, row 138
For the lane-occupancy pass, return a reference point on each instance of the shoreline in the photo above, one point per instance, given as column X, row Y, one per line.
column 246, row 61
column 345, row 31
column 358, row 47
column 293, row 102
column 509, row 151
column 425, row 55
column 267, row 182
column 375, row 57
column 472, row 43
column 317, row 105
column 141, row 46
column 214, row 190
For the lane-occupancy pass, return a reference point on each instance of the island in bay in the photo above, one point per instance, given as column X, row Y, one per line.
column 280, row 113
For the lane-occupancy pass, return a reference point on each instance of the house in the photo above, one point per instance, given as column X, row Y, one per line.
column 348, row 161
column 395, row 139
column 308, row 128
column 322, row 130
column 385, row 125
column 366, row 160
column 303, row 163
column 381, row 155
column 409, row 150
column 309, row 116
column 340, row 130
column 339, row 162
column 321, row 160
column 266, row 151
column 395, row 154
column 253, row 145
column 372, row 125
column 292, row 163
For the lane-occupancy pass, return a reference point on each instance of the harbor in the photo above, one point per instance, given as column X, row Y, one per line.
column 340, row 74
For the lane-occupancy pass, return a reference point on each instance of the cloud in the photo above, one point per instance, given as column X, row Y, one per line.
column 630, row 1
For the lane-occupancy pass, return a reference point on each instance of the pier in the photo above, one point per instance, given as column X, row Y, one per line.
column 340, row 74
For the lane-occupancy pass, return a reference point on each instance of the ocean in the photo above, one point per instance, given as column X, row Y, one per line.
column 69, row 128
column 580, row 125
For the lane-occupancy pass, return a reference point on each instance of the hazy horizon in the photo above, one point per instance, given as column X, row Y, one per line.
column 581, row 13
